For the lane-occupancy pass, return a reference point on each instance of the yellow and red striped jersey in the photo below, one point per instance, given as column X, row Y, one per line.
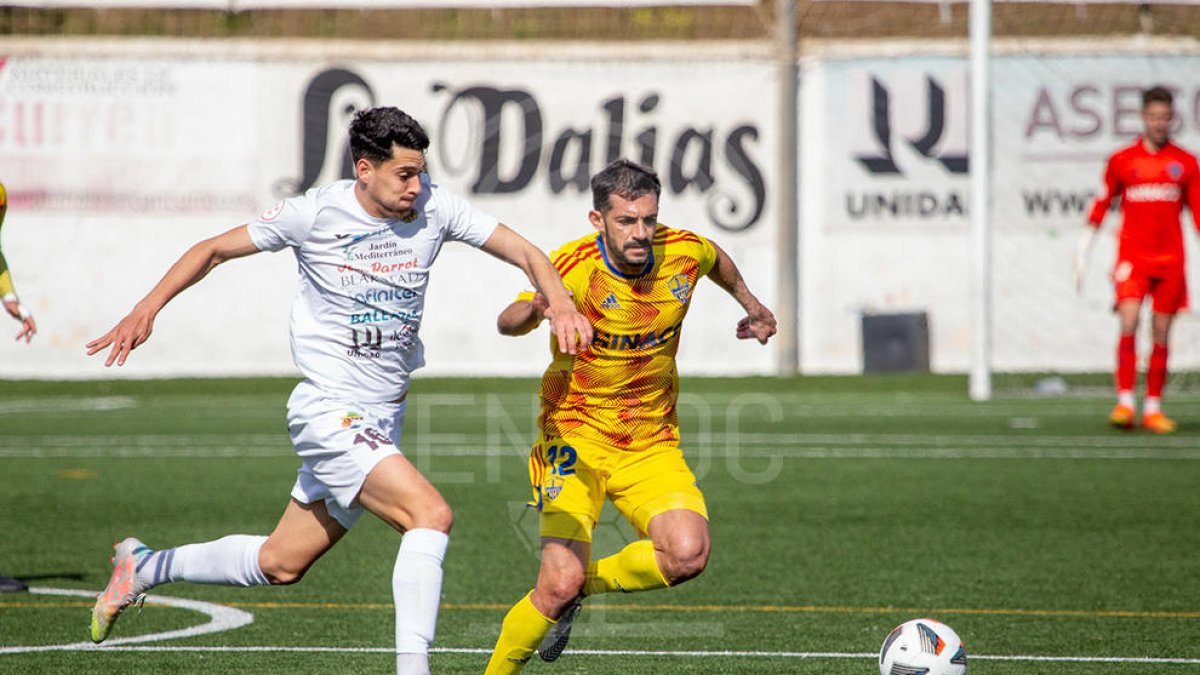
column 621, row 393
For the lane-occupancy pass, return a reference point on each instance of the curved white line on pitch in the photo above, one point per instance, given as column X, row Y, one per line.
column 221, row 618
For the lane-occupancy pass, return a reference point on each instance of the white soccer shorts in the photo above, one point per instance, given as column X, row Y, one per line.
column 339, row 442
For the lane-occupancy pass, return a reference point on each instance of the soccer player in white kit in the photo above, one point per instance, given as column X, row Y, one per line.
column 364, row 249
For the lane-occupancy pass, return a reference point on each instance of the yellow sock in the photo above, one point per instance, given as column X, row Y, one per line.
column 633, row 568
column 523, row 629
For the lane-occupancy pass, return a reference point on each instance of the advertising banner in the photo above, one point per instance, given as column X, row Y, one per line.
column 887, row 201
column 115, row 166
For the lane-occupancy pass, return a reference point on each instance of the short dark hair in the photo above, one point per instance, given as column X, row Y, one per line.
column 1157, row 94
column 626, row 179
column 375, row 130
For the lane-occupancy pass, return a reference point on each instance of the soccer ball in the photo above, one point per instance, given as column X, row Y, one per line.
column 922, row 647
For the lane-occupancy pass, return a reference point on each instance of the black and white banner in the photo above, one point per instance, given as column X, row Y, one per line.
column 115, row 165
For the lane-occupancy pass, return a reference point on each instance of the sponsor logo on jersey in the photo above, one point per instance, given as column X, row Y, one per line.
column 1152, row 192
column 610, row 302
column 351, row 420
column 378, row 315
column 272, row 212
column 635, row 340
column 681, row 287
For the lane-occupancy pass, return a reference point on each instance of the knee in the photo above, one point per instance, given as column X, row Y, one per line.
column 279, row 572
column 557, row 590
column 438, row 516
column 684, row 559
column 433, row 514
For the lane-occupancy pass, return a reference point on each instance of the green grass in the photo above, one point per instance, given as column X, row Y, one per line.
column 840, row 507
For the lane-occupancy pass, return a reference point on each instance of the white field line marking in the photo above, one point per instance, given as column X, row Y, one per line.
column 130, row 442
column 221, row 618
column 634, row 652
column 59, row 405
column 743, row 445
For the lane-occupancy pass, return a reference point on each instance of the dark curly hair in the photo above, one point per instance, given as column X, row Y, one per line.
column 375, row 130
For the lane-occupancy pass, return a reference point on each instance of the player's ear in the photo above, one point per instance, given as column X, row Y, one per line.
column 596, row 219
column 363, row 169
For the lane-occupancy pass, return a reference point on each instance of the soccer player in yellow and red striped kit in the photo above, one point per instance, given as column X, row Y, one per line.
column 8, row 292
column 609, row 426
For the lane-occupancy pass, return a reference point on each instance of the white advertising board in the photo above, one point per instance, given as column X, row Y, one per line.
column 115, row 166
column 885, row 198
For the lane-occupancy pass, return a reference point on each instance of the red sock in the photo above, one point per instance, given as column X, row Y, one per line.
column 1126, row 363
column 1156, row 374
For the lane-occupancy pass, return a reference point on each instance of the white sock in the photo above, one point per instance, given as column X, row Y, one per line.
column 228, row 561
column 417, row 591
column 1125, row 398
column 1151, row 405
column 412, row 664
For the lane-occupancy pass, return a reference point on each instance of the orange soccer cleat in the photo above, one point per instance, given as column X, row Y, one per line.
column 123, row 588
column 1121, row 417
column 1158, row 423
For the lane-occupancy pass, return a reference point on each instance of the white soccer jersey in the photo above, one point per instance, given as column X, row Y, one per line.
column 357, row 314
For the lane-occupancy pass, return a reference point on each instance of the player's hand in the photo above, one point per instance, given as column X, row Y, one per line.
column 572, row 329
column 1078, row 272
column 758, row 324
column 126, row 336
column 28, row 326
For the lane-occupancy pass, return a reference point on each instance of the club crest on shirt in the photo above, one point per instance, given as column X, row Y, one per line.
column 552, row 487
column 1175, row 170
column 681, row 287
column 351, row 420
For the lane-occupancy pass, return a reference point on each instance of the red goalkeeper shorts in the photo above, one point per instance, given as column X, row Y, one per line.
column 1166, row 287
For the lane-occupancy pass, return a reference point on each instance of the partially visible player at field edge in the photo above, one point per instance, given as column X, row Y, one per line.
column 364, row 249
column 1154, row 179
column 609, row 425
column 12, row 304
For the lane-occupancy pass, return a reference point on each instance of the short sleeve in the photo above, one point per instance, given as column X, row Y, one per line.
column 466, row 223
column 706, row 255
column 524, row 296
column 285, row 223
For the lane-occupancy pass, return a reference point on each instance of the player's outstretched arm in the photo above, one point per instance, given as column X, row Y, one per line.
column 16, row 310
column 573, row 331
column 197, row 262
column 759, row 322
column 522, row 316
column 12, row 304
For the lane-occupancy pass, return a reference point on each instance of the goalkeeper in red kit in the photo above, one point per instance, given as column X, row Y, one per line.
column 1154, row 179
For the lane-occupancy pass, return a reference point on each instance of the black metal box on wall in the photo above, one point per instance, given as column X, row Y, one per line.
column 895, row 343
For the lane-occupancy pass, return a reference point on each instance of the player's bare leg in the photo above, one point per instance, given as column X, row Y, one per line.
column 676, row 551
column 558, row 593
column 403, row 498
column 681, row 544
column 304, row 533
column 543, row 617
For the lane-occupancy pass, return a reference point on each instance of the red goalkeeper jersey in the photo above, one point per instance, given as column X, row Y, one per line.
column 1153, row 189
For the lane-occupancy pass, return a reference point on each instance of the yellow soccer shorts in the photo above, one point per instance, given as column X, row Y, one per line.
column 570, row 480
